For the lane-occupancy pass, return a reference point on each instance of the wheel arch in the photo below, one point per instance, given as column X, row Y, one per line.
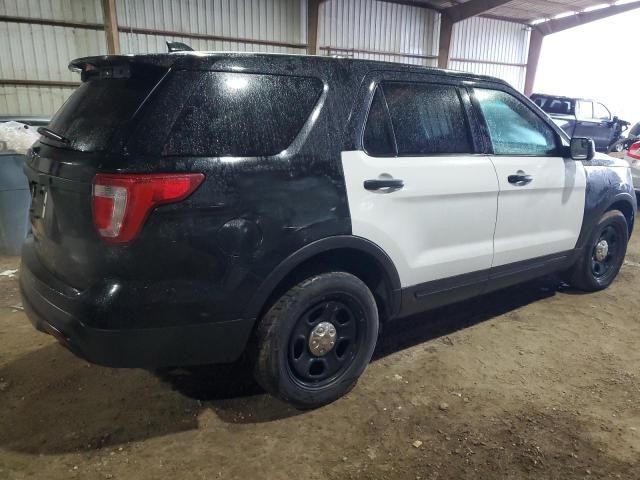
column 349, row 253
column 622, row 201
column 625, row 205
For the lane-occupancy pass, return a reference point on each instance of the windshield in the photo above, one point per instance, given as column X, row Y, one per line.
column 100, row 108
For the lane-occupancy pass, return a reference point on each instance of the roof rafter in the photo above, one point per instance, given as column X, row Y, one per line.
column 559, row 24
column 471, row 8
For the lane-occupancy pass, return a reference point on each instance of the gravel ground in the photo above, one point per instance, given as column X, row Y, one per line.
column 537, row 381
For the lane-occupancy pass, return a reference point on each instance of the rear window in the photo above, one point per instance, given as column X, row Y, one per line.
column 100, row 108
column 555, row 105
column 243, row 115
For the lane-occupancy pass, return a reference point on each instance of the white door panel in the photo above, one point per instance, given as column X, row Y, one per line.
column 542, row 217
column 442, row 222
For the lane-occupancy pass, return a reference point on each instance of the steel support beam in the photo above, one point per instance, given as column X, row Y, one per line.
column 111, row 26
column 205, row 36
column 313, row 9
column 471, row 8
column 51, row 23
column 38, row 83
column 559, row 24
column 444, row 44
column 535, row 47
column 339, row 50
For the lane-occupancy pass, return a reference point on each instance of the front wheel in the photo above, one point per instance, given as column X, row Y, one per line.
column 616, row 147
column 603, row 254
column 317, row 339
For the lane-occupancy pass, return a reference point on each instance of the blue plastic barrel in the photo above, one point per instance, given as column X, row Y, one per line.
column 15, row 200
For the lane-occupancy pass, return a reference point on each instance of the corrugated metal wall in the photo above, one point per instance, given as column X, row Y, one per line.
column 89, row 11
column 42, row 52
column 282, row 21
column 378, row 30
column 394, row 32
column 491, row 47
column 371, row 29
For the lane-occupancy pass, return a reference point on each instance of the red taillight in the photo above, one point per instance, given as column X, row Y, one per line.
column 121, row 203
column 634, row 151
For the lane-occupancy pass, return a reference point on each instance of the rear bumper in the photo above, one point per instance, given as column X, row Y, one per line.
column 61, row 314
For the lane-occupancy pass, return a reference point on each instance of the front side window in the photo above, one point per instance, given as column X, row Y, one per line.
column 585, row 109
column 243, row 115
column 427, row 118
column 601, row 112
column 514, row 128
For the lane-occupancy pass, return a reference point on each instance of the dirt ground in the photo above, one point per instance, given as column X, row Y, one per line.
column 537, row 381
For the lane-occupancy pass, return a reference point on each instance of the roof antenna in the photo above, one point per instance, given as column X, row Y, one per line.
column 178, row 47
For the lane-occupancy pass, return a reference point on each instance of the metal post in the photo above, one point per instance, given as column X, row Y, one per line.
column 313, row 8
column 444, row 45
column 111, row 26
column 535, row 47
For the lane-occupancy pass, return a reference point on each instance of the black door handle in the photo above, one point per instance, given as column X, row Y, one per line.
column 391, row 184
column 520, row 179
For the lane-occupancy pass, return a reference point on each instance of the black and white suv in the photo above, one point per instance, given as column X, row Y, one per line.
column 191, row 207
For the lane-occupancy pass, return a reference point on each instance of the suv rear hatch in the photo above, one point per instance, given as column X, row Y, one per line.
column 85, row 136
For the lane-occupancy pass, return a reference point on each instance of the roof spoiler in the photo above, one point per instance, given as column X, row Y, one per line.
column 178, row 47
column 101, row 68
column 119, row 66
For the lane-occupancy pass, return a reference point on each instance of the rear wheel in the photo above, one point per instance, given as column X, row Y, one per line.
column 603, row 254
column 317, row 339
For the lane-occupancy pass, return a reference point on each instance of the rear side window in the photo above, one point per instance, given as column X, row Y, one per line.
column 100, row 108
column 427, row 119
column 378, row 135
column 514, row 128
column 243, row 115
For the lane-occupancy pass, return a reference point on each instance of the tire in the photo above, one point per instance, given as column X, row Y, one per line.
column 287, row 365
column 592, row 272
column 615, row 147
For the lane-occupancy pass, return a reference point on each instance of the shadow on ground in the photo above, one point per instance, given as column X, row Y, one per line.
column 58, row 403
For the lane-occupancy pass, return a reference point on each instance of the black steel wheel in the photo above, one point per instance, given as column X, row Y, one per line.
column 325, row 340
column 603, row 253
column 317, row 339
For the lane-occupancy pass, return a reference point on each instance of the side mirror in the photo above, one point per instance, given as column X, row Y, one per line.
column 582, row 148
